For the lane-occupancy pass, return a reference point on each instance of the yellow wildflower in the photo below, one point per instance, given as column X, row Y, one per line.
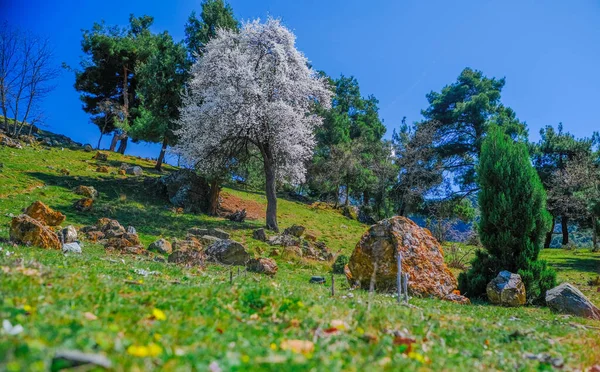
column 151, row 350
column 158, row 314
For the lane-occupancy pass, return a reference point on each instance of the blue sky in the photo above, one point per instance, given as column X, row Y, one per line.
column 549, row 51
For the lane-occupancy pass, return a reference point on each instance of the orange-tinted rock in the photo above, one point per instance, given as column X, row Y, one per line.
column 87, row 191
column 188, row 258
column 100, row 156
column 122, row 172
column 102, row 169
column 84, row 205
column 27, row 230
column 457, row 298
column 94, row 236
column 266, row 266
column 422, row 259
column 45, row 214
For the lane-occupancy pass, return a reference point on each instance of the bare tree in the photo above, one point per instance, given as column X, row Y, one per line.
column 112, row 112
column 26, row 73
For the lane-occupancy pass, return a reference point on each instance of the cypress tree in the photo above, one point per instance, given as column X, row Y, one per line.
column 513, row 219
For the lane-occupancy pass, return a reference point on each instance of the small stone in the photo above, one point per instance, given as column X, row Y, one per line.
column 121, row 172
column 87, row 147
column 317, row 280
column 237, row 216
column 260, row 234
column 71, row 248
column 506, row 289
column 64, row 172
column 101, row 156
column 266, row 266
column 68, row 234
column 87, row 191
column 84, row 204
column 136, row 171
column 161, row 246
column 131, row 230
column 457, row 298
column 102, row 169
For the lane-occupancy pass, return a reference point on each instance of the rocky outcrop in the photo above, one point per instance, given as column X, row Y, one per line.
column 26, row 230
column 185, row 189
column 266, row 266
column 295, row 230
column 100, row 156
column 260, row 234
column 45, row 214
column 84, row 204
column 187, row 258
column 422, row 259
column 507, row 289
column 114, row 236
column 567, row 299
column 134, row 171
column 228, row 252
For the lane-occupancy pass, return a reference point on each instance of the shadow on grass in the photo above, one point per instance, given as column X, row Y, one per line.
column 132, row 201
column 578, row 264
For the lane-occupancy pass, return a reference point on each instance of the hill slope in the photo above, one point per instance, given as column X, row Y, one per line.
column 187, row 319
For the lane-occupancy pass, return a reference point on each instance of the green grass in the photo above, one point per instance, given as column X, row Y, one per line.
column 242, row 326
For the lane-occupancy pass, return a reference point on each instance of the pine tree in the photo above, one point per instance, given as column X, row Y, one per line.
column 513, row 219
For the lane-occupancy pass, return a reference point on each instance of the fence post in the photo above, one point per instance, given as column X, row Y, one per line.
column 406, row 288
column 332, row 285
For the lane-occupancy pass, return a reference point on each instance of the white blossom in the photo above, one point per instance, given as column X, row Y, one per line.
column 252, row 89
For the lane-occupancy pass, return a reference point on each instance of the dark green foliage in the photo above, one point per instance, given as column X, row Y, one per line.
column 215, row 14
column 513, row 218
column 340, row 262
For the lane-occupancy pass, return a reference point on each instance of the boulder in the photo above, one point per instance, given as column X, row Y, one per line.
column 68, row 234
column 457, row 298
column 27, row 230
column 284, row 240
column 136, row 171
column 506, row 289
column 295, row 230
column 187, row 258
column 88, row 148
column 228, row 252
column 101, row 156
column 124, row 241
column 422, row 259
column 45, row 214
column 237, row 216
column 567, row 299
column 9, row 142
column 291, row 252
column 266, row 266
column 102, row 169
column 87, row 191
column 184, row 188
column 260, row 234
column 161, row 246
column 218, row 233
column 84, row 204
column 71, row 248
column 207, row 240
column 131, row 230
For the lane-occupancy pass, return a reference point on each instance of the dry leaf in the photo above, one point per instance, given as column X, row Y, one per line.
column 89, row 316
column 298, row 346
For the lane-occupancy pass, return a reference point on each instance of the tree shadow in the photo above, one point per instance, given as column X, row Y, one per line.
column 577, row 264
column 132, row 201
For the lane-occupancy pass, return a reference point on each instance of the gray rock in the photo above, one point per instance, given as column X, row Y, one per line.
column 185, row 189
column 260, row 234
column 506, row 289
column 228, row 252
column 161, row 246
column 266, row 266
column 71, row 248
column 295, row 230
column 187, row 258
column 75, row 358
column 131, row 230
column 136, row 171
column 317, row 280
column 218, row 233
column 87, row 148
column 567, row 299
column 284, row 240
column 68, row 234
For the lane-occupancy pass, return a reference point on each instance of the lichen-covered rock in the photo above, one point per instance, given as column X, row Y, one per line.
column 161, row 246
column 187, row 244
column 284, row 240
column 207, row 240
column 260, row 234
column 187, row 258
column 101, row 156
column 457, row 298
column 228, row 252
column 295, row 230
column 26, row 230
column 94, row 235
column 291, row 252
column 102, row 169
column 422, row 259
column 135, row 171
column 84, row 204
column 87, row 191
column 567, row 299
column 506, row 289
column 197, row 231
column 68, row 234
column 218, row 233
column 185, row 189
column 45, row 214
column 266, row 266
column 87, row 147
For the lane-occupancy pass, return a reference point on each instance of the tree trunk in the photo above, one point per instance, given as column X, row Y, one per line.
column 366, row 197
column 161, row 157
column 215, row 191
column 564, row 221
column 337, row 196
column 99, row 140
column 594, row 234
column 271, row 192
column 113, row 143
column 549, row 234
column 347, row 202
column 123, row 145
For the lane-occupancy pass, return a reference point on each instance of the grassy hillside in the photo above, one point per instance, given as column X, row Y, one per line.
column 190, row 319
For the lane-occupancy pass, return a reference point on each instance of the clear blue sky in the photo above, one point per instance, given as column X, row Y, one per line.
column 549, row 51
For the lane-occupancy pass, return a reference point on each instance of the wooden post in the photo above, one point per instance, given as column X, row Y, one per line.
column 332, row 285
column 399, row 275
column 238, row 271
column 230, row 276
column 406, row 288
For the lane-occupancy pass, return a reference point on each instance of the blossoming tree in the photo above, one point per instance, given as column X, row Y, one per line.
column 253, row 91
